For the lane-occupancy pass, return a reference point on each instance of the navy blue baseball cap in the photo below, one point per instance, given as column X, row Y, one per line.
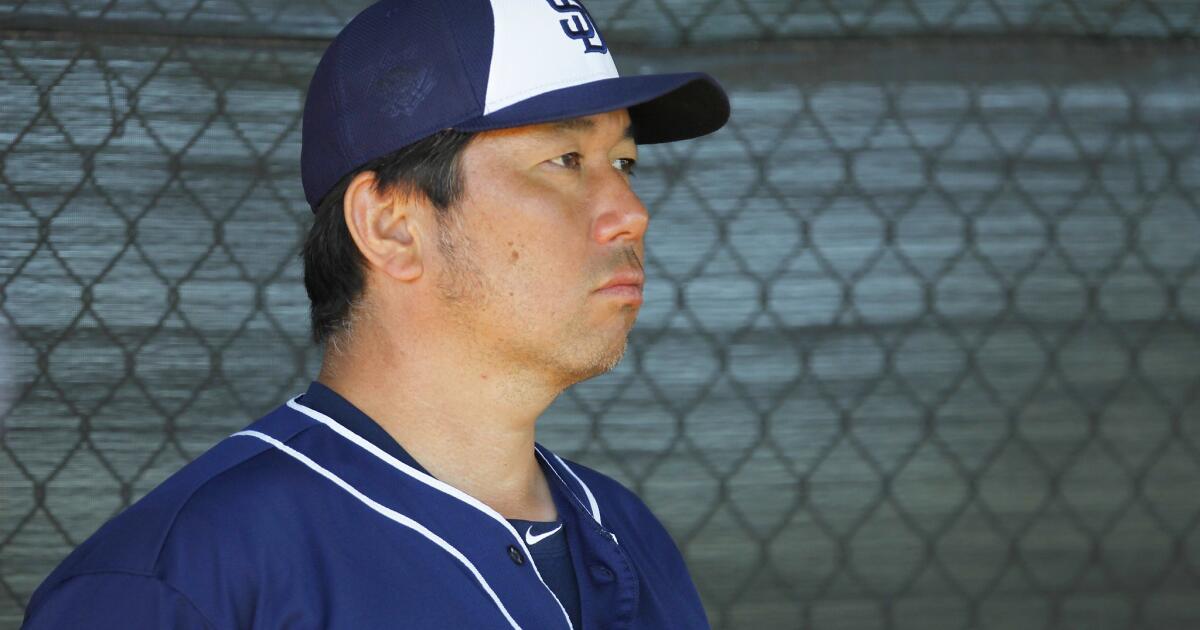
column 403, row 70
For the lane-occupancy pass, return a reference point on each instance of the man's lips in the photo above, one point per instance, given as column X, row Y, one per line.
column 625, row 285
column 627, row 279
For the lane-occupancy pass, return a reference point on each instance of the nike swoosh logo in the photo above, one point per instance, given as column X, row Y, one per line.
column 530, row 539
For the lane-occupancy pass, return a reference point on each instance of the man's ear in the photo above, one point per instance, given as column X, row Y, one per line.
column 384, row 227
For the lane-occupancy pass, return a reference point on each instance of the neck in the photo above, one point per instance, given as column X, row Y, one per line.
column 469, row 424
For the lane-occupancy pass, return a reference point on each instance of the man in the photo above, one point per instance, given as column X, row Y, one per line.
column 477, row 249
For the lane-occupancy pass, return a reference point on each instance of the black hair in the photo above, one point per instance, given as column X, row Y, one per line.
column 333, row 266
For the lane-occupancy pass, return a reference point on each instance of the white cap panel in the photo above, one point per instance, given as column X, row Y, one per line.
column 540, row 46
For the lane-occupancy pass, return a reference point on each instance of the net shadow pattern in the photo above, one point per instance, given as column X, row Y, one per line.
column 919, row 348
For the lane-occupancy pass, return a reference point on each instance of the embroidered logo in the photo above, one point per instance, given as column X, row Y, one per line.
column 579, row 25
column 530, row 539
column 401, row 89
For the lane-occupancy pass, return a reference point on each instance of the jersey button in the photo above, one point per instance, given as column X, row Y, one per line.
column 602, row 573
column 516, row 555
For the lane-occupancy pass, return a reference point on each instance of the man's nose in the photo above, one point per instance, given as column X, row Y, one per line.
column 620, row 214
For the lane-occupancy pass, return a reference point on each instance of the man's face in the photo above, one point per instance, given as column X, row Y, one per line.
column 548, row 217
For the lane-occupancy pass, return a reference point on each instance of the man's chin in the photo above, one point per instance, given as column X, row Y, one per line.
column 598, row 364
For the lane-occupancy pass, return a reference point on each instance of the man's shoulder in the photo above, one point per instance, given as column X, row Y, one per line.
column 231, row 477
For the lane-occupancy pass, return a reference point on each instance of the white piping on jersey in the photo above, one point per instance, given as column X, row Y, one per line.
column 389, row 513
column 586, row 490
column 432, row 482
column 594, row 511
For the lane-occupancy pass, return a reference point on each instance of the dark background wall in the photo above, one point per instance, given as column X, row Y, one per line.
column 921, row 343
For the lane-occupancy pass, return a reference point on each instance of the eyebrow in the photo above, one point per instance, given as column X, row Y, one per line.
column 584, row 124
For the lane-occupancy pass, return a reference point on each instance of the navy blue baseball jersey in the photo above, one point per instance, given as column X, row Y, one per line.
column 300, row 521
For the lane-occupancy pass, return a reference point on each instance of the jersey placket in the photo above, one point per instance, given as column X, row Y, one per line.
column 608, row 583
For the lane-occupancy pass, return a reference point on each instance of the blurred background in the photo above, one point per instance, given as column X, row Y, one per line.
column 921, row 340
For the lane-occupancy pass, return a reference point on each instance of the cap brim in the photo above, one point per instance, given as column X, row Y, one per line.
column 663, row 107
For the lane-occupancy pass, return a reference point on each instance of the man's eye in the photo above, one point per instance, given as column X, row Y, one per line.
column 625, row 165
column 568, row 160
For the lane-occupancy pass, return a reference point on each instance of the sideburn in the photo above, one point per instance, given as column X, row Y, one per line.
column 462, row 281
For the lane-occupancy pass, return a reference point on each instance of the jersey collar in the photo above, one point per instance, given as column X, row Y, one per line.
column 325, row 401
column 320, row 397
